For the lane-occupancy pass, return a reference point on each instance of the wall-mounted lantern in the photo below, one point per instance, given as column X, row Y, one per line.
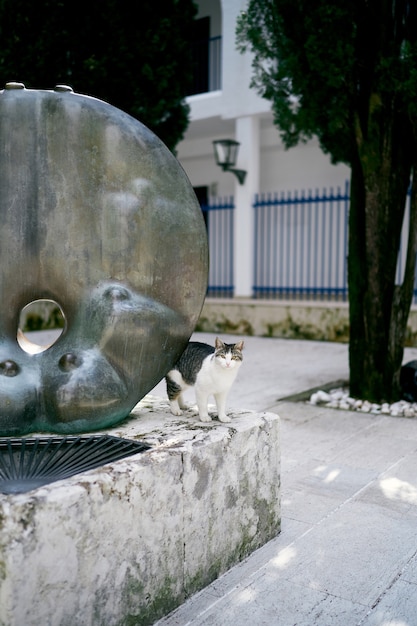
column 225, row 153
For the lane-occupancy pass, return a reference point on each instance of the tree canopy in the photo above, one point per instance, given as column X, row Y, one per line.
column 137, row 60
column 324, row 64
column 346, row 72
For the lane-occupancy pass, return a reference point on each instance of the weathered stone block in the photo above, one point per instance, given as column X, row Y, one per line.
column 126, row 543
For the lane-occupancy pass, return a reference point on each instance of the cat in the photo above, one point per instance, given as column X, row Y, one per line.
column 211, row 371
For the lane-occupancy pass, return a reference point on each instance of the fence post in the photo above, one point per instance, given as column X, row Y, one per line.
column 247, row 133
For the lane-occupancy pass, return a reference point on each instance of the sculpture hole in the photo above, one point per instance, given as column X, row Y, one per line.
column 41, row 323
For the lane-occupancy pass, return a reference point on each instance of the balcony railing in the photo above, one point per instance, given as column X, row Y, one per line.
column 207, row 65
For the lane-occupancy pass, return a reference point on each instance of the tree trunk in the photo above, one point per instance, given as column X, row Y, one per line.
column 378, row 308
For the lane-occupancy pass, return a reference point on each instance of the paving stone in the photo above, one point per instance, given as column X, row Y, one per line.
column 410, row 571
column 396, row 608
column 355, row 553
column 271, row 602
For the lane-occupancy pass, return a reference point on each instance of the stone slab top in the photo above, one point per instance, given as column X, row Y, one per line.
column 152, row 423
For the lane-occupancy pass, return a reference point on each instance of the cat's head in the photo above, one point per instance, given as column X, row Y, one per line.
column 228, row 355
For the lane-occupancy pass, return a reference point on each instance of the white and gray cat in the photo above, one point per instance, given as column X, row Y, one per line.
column 211, row 371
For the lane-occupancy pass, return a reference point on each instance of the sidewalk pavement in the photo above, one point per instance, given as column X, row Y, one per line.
column 347, row 551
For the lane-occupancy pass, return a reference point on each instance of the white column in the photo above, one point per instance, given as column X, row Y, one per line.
column 247, row 133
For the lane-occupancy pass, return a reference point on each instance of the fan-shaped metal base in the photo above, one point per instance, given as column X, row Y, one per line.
column 28, row 463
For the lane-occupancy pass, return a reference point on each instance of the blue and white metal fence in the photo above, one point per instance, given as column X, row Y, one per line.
column 219, row 216
column 300, row 245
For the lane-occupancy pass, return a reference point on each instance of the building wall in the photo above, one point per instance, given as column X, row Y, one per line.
column 302, row 167
column 215, row 115
column 316, row 321
column 236, row 111
column 213, row 9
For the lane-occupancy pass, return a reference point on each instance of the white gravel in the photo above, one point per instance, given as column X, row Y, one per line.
column 340, row 399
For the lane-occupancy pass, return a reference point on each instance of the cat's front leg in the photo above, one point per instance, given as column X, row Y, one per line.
column 221, row 407
column 175, row 407
column 174, row 392
column 181, row 402
column 202, row 402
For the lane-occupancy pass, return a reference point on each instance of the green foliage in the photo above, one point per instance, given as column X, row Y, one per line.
column 137, row 58
column 347, row 73
column 327, row 65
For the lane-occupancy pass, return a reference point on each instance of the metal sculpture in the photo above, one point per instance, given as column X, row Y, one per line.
column 98, row 216
column 26, row 464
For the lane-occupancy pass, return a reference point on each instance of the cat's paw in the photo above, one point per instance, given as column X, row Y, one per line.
column 205, row 418
column 224, row 418
column 175, row 408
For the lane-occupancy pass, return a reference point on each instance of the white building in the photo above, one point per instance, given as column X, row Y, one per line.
column 226, row 107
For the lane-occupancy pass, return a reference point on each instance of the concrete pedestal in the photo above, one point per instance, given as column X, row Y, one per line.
column 128, row 542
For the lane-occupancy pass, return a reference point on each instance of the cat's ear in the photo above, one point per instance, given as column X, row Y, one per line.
column 218, row 344
column 239, row 345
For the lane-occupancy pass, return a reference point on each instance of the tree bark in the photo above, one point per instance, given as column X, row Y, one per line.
column 378, row 307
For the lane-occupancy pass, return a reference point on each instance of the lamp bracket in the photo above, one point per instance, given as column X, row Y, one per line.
column 240, row 174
